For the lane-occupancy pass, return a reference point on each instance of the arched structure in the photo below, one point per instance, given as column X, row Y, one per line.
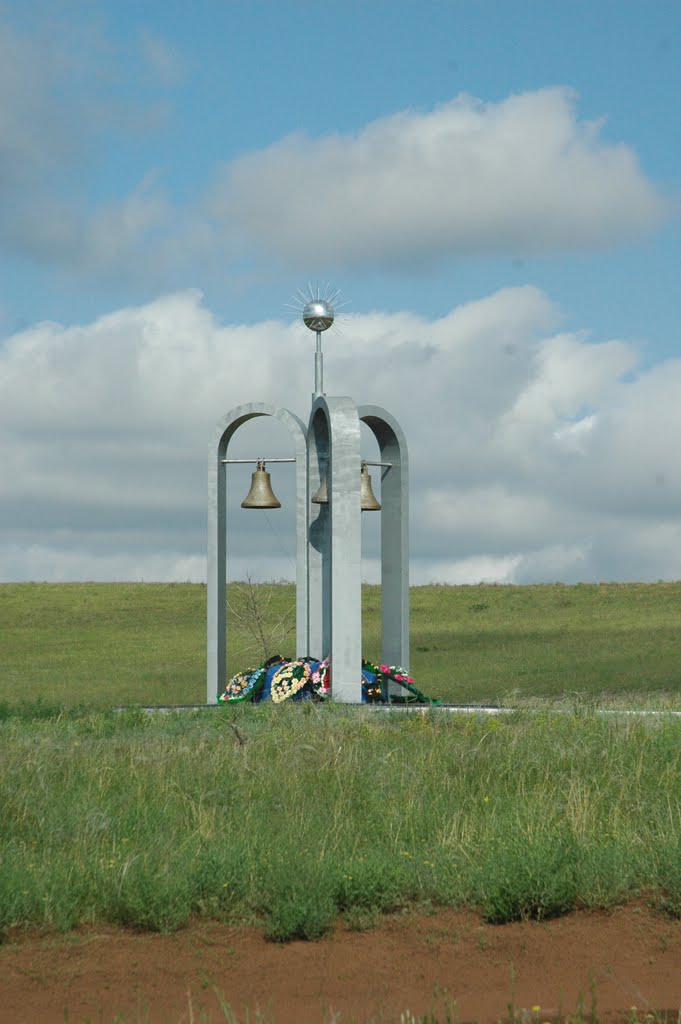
column 394, row 533
column 329, row 543
column 217, row 537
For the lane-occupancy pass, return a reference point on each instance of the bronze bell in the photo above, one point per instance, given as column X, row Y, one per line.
column 368, row 502
column 367, row 497
column 261, row 494
column 321, row 495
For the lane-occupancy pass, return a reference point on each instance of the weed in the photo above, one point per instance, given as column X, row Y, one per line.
column 298, row 905
column 526, row 877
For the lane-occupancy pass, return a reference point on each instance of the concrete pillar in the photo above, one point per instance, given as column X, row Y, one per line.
column 335, row 548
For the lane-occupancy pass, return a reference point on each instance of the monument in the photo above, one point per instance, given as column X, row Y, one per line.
column 333, row 487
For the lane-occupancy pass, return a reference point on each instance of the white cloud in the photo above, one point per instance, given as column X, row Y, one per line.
column 522, row 176
column 573, row 436
column 474, row 569
column 104, row 430
column 59, row 565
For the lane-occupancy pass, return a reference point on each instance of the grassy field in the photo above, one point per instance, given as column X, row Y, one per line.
column 291, row 816
column 106, row 644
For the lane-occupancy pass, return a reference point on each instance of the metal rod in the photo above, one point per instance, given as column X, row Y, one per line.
column 388, row 465
column 324, row 458
column 318, row 368
column 232, row 461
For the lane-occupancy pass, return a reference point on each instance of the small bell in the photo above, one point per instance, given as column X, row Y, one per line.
column 261, row 494
column 321, row 495
column 367, row 497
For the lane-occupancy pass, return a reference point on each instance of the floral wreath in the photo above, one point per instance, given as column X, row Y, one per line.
column 321, row 679
column 291, row 677
column 373, row 691
column 244, row 685
column 399, row 674
column 384, row 673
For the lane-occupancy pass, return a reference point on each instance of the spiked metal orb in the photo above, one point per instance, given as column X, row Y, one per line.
column 318, row 314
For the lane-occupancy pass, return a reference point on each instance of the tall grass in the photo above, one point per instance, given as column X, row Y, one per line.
column 106, row 644
column 291, row 816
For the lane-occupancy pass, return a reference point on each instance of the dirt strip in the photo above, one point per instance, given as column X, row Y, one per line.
column 628, row 958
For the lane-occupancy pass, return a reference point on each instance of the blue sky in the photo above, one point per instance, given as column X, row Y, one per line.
column 202, row 162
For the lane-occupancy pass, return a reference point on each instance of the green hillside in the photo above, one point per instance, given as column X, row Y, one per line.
column 136, row 643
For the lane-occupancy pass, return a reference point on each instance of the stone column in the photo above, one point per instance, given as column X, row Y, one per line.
column 335, row 546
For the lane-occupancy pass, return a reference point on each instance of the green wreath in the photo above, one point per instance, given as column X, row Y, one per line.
column 378, row 691
column 244, row 685
column 290, row 678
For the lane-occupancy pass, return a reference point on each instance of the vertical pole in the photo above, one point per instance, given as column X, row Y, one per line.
column 318, row 369
column 217, row 573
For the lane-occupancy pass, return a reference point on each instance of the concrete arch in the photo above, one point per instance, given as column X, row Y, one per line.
column 394, row 534
column 216, row 666
column 334, row 545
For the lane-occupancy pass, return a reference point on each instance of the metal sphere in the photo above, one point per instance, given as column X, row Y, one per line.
column 318, row 314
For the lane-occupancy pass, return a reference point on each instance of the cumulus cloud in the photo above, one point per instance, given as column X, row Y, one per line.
column 534, row 454
column 524, row 175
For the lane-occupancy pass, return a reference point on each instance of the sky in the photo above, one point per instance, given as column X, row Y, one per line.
column 494, row 187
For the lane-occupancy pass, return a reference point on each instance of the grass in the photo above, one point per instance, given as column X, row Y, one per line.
column 102, row 644
column 105, row 644
column 547, row 641
column 314, row 812
column 291, row 816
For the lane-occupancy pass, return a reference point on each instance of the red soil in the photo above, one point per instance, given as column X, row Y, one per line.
column 630, row 957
